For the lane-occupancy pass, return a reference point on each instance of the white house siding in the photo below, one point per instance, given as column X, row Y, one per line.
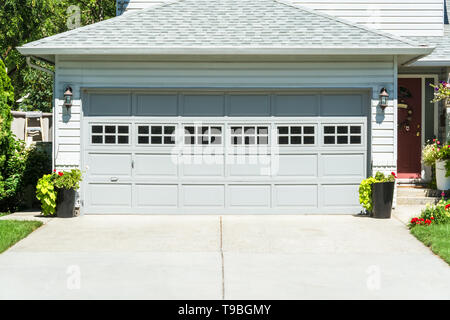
column 400, row 17
column 101, row 73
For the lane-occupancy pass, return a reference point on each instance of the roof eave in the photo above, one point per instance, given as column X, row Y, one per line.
column 431, row 63
column 27, row 51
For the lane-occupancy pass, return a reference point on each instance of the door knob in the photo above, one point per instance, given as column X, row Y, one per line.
column 114, row 179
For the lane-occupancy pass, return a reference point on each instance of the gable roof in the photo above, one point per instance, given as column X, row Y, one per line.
column 224, row 27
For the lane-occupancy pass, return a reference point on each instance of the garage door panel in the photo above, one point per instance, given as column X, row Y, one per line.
column 295, row 196
column 249, row 169
column 249, row 105
column 157, row 195
column 291, row 165
column 342, row 105
column 334, row 165
column 109, row 195
column 296, row 105
column 109, row 165
column 155, row 165
column 204, row 168
column 203, row 105
column 249, row 195
column 156, row 105
column 339, row 195
column 109, row 105
column 203, row 196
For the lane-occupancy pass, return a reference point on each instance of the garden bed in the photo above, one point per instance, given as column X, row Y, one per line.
column 12, row 231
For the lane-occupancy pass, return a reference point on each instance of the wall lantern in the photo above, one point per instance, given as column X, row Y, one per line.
column 384, row 95
column 68, row 95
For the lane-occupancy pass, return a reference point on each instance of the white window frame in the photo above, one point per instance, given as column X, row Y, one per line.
column 301, row 135
column 104, row 134
column 198, row 135
column 149, row 135
column 348, row 134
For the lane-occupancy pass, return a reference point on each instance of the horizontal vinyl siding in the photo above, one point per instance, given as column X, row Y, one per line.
column 314, row 75
column 400, row 17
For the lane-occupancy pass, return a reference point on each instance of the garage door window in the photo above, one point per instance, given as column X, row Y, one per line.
column 342, row 134
column 249, row 135
column 108, row 134
column 203, row 135
column 296, row 135
column 156, row 134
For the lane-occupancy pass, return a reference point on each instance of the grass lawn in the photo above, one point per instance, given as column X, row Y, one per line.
column 437, row 237
column 12, row 231
column 4, row 214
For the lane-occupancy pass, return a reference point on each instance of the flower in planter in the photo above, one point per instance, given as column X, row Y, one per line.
column 394, row 175
column 447, row 206
column 441, row 91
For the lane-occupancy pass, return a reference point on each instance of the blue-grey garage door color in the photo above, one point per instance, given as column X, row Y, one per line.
column 223, row 152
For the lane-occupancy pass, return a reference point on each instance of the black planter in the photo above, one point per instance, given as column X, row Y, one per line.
column 65, row 203
column 382, row 196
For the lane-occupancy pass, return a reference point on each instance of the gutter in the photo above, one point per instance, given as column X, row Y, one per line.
column 207, row 50
column 50, row 72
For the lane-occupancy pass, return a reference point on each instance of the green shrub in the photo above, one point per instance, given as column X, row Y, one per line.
column 46, row 193
column 365, row 188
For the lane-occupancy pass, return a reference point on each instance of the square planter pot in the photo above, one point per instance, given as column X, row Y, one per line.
column 382, row 197
column 65, row 203
column 442, row 182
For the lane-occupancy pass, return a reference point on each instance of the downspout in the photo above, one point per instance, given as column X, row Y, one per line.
column 52, row 73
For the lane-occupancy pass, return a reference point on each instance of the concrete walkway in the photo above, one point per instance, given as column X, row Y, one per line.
column 231, row 257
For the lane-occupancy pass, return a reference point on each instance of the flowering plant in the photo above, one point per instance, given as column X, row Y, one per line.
column 441, row 91
column 365, row 188
column 48, row 186
column 433, row 214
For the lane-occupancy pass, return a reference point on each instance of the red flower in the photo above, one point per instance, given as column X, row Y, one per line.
column 60, row 174
column 434, row 140
column 447, row 206
column 432, row 218
column 54, row 170
column 421, row 219
column 395, row 176
column 438, row 142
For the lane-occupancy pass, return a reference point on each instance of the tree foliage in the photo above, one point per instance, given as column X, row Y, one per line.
column 23, row 21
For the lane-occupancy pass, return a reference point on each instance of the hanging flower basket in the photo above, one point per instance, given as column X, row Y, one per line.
column 441, row 92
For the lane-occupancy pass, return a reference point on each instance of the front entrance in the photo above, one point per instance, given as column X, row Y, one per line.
column 409, row 128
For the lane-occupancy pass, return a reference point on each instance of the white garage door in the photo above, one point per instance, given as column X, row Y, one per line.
column 237, row 153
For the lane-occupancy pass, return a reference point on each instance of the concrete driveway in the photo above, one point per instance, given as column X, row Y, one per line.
column 231, row 257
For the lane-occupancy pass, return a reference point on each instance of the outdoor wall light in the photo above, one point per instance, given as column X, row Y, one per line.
column 68, row 95
column 384, row 95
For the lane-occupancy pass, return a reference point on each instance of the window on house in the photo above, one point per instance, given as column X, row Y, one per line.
column 156, row 134
column 203, row 135
column 296, row 135
column 342, row 134
column 110, row 134
column 249, row 135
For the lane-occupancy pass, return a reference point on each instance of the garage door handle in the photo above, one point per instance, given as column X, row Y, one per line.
column 114, row 179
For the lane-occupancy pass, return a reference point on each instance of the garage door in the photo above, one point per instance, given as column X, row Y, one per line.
column 227, row 152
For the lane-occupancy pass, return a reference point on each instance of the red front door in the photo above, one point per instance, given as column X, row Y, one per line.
column 409, row 127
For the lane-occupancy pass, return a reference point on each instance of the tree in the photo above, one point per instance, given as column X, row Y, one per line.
column 23, row 21
column 7, row 142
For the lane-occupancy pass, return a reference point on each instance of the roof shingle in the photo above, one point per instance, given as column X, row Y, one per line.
column 223, row 24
